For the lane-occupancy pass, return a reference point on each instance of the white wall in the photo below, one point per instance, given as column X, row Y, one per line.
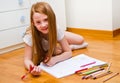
column 116, row 14
column 93, row 14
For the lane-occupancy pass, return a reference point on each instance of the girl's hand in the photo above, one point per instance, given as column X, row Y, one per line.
column 51, row 62
column 36, row 71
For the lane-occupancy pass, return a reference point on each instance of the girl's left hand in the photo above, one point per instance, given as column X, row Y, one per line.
column 51, row 62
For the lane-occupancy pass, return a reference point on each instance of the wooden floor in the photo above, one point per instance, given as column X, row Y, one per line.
column 105, row 49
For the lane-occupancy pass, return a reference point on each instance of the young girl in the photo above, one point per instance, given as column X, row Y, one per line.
column 45, row 41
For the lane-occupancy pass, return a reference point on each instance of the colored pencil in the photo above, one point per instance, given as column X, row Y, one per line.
column 102, row 74
column 110, row 77
column 31, row 68
column 92, row 71
column 88, row 64
column 78, row 71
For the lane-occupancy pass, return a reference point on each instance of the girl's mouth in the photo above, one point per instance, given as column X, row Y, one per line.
column 44, row 29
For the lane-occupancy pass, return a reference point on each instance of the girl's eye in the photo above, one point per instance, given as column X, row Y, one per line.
column 38, row 22
column 46, row 19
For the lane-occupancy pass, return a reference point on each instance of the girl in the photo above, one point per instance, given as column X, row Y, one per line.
column 45, row 41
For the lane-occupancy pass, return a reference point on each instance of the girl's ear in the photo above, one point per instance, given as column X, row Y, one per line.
column 32, row 23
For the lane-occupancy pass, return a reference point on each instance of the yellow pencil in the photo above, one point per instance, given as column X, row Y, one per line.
column 109, row 66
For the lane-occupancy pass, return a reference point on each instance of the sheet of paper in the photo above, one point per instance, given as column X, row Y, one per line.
column 71, row 65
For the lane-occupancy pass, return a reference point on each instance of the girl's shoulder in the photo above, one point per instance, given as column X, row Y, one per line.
column 28, row 31
column 60, row 33
column 27, row 38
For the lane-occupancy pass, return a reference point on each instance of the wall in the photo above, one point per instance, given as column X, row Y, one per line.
column 93, row 14
column 116, row 14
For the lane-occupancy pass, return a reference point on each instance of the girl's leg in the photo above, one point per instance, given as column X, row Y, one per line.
column 76, row 41
column 73, row 38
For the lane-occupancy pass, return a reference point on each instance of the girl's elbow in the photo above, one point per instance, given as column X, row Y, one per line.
column 70, row 54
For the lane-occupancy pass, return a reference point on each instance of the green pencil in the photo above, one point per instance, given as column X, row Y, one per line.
column 92, row 71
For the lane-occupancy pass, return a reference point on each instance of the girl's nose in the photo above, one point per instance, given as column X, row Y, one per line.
column 43, row 24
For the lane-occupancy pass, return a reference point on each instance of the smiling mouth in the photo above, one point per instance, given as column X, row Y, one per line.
column 44, row 29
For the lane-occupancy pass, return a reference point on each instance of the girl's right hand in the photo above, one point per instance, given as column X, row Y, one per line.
column 36, row 71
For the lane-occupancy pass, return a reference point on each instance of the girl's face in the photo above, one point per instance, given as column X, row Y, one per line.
column 40, row 21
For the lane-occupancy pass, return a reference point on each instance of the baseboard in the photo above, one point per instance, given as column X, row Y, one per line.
column 93, row 33
column 116, row 32
column 11, row 48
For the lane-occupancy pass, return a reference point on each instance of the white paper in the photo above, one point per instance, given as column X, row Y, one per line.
column 71, row 65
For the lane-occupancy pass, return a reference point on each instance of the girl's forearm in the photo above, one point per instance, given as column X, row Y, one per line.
column 63, row 56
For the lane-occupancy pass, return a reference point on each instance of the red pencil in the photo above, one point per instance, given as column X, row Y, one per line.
column 88, row 64
column 31, row 68
column 81, row 70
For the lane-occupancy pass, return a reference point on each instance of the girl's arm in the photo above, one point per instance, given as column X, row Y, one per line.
column 28, row 57
column 28, row 61
column 67, row 53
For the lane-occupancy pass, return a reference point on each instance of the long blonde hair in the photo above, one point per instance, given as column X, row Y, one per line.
column 38, row 51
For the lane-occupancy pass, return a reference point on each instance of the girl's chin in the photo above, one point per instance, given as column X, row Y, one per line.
column 45, row 32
